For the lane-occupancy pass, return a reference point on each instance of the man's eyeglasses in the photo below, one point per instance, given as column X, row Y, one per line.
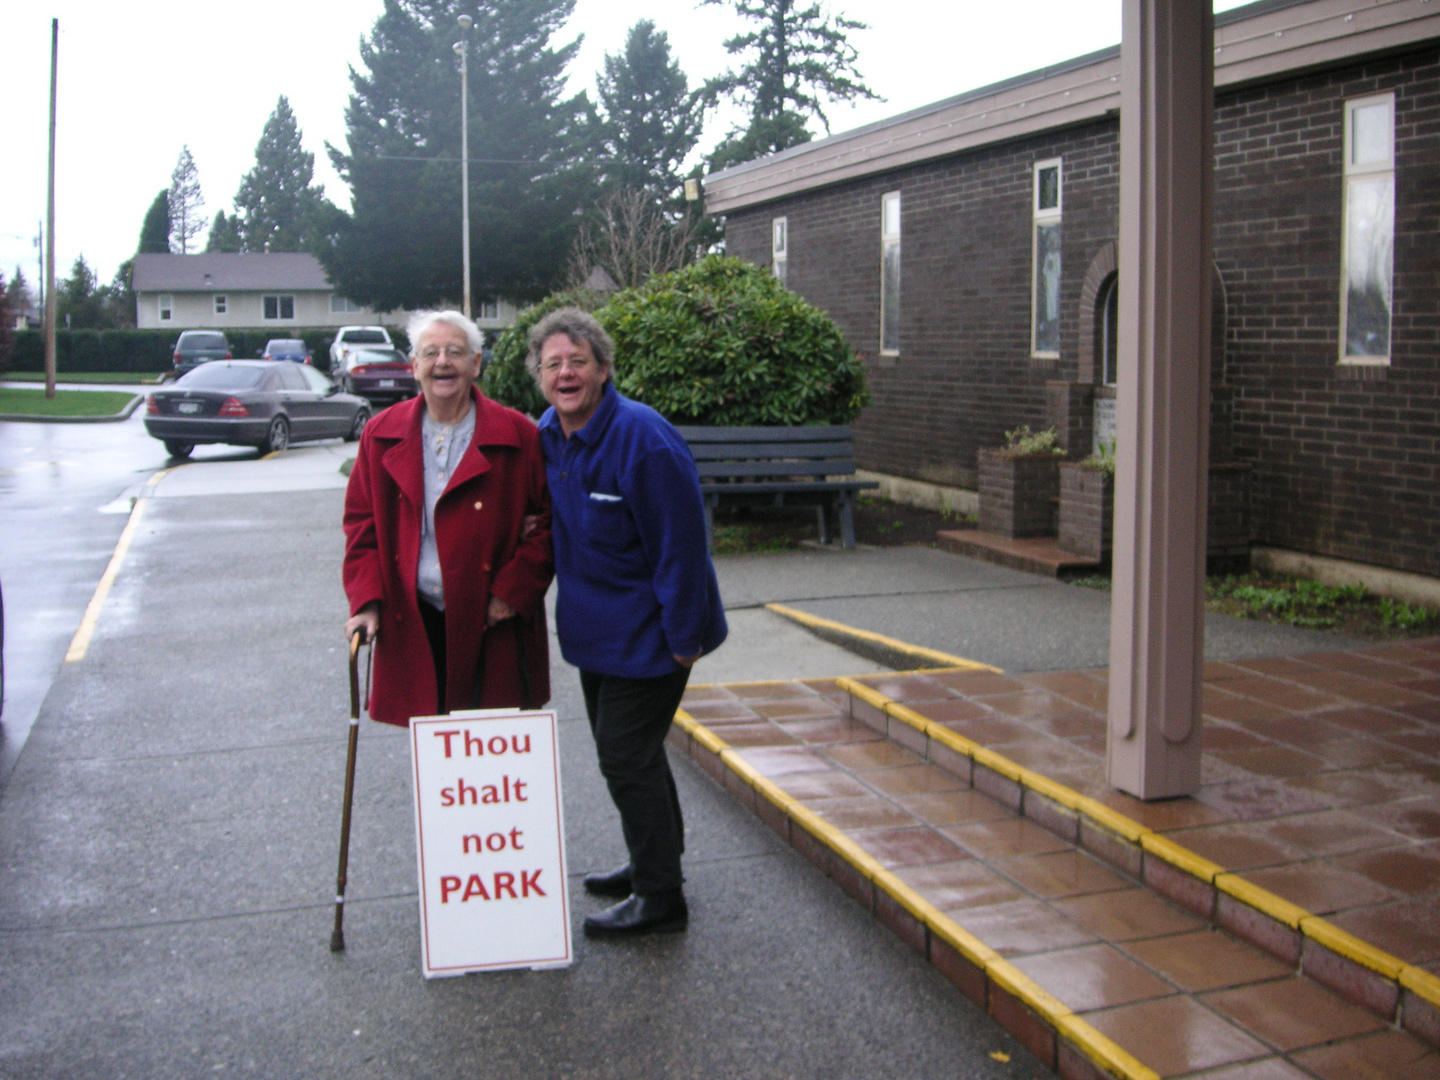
column 452, row 352
column 579, row 363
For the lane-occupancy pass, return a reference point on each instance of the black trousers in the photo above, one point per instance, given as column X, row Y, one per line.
column 629, row 719
column 434, row 620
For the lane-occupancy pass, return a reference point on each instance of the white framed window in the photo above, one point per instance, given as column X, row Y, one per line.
column 890, row 274
column 488, row 309
column 167, row 307
column 339, row 305
column 1109, row 306
column 1367, row 245
column 779, row 247
column 222, row 303
column 278, row 308
column 1045, row 258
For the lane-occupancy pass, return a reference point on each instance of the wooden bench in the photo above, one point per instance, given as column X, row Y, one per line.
column 776, row 466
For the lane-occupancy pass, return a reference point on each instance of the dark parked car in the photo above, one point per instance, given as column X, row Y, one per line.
column 286, row 349
column 196, row 347
column 379, row 374
column 262, row 403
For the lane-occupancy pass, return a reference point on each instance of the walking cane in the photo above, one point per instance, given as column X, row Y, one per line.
column 337, row 936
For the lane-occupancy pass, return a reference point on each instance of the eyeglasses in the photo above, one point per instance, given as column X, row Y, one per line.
column 579, row 363
column 452, row 352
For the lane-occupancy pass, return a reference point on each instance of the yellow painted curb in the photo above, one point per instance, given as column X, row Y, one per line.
column 962, row 941
column 867, row 694
column 1420, row 982
column 951, row 741
column 1263, row 900
column 997, row 763
column 1113, row 820
column 1351, row 947
column 1181, row 858
column 1108, row 1055
column 909, row 716
column 1052, row 790
column 1029, row 991
column 919, row 651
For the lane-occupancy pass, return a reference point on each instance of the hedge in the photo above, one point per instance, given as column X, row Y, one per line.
column 151, row 350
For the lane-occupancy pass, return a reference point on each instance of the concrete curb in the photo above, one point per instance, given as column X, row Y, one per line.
column 1401, row 993
column 889, row 651
column 29, row 418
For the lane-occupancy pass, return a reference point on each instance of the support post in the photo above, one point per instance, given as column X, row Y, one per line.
column 50, row 305
column 1162, row 414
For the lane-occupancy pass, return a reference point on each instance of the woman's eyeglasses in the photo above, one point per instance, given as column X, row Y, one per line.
column 452, row 352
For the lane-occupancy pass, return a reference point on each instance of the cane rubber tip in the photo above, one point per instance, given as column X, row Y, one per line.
column 337, row 942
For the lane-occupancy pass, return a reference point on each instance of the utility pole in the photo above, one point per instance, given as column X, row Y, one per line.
column 50, row 225
column 462, row 47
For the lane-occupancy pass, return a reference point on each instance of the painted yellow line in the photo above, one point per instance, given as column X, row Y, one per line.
column 81, row 641
column 1181, row 858
column 815, row 622
column 1352, row 948
column 1029, row 991
column 1281, row 910
column 1106, row 1054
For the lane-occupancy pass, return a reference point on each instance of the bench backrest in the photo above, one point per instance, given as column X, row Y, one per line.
column 767, row 452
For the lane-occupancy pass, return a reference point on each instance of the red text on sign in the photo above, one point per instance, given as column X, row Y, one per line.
column 502, row 884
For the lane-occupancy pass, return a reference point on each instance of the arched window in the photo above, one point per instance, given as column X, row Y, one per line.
column 1107, row 314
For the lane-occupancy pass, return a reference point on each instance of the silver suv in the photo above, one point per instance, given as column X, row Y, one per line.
column 352, row 338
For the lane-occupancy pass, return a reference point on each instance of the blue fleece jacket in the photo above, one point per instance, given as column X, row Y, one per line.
column 636, row 584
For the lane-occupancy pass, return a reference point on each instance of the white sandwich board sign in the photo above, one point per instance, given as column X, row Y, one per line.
column 490, row 841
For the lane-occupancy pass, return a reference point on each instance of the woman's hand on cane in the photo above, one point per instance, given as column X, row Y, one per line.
column 367, row 619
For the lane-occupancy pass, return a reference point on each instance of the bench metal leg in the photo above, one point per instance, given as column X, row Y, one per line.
column 711, row 501
column 847, row 520
column 820, row 519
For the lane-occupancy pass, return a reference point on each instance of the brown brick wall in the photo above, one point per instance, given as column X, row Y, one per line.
column 1341, row 466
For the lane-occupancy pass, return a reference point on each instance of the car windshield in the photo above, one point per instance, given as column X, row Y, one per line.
column 202, row 341
column 379, row 356
column 285, row 345
column 364, row 337
column 217, row 375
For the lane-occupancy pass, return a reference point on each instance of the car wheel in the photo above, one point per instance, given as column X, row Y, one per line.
column 362, row 417
column 178, row 449
column 277, row 438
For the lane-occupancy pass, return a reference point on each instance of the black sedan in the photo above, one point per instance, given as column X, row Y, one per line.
column 261, row 403
column 379, row 374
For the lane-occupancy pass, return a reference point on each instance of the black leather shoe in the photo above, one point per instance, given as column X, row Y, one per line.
column 659, row 914
column 615, row 883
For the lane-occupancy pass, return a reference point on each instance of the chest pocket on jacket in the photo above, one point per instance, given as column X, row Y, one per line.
column 608, row 523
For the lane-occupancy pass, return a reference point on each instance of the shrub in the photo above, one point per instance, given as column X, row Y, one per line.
column 722, row 342
column 1022, row 442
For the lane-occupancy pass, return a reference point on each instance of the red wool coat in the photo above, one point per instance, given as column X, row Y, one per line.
column 478, row 521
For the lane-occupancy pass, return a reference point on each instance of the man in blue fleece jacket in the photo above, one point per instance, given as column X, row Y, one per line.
column 638, row 603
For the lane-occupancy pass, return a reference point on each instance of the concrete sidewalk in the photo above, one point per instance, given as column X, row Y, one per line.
column 167, row 859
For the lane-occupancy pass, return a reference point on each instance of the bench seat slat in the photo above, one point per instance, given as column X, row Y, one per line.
column 714, row 469
column 815, row 433
column 767, row 451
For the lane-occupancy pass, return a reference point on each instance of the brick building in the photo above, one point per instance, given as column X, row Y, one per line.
column 967, row 250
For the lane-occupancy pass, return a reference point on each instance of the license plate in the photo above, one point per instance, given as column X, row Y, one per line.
column 387, row 383
column 188, row 407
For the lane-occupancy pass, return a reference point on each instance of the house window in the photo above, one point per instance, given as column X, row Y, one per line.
column 1368, row 233
column 279, row 307
column 890, row 274
column 339, row 305
column 779, row 239
column 1109, row 310
column 221, row 303
column 488, row 309
column 1045, row 309
column 167, row 307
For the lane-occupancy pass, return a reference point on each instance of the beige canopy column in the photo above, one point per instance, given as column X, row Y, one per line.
column 1162, row 401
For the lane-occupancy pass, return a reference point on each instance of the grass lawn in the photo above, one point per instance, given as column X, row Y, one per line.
column 27, row 402
column 119, row 378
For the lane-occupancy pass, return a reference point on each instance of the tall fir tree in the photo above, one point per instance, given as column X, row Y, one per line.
column 400, row 247
column 650, row 119
column 798, row 58
column 7, row 322
column 120, row 298
column 79, row 301
column 155, row 232
column 186, row 204
column 224, row 234
column 277, row 204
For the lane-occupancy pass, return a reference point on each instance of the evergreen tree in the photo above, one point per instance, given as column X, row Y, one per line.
column 120, row 298
column 401, row 245
column 276, row 203
column 796, row 58
column 7, row 323
column 186, row 204
column 651, row 120
column 18, row 294
column 79, row 304
column 224, row 234
column 155, row 232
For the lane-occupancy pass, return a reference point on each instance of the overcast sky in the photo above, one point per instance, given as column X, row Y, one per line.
column 139, row 80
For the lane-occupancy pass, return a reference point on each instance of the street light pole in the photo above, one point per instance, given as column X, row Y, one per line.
column 461, row 47
column 50, row 224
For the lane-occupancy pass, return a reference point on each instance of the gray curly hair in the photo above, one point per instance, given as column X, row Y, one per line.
column 421, row 321
column 579, row 326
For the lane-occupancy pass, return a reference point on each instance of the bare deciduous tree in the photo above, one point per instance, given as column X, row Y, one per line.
column 629, row 237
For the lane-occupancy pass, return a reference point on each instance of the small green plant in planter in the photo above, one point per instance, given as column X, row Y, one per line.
column 1087, row 505
column 1019, row 482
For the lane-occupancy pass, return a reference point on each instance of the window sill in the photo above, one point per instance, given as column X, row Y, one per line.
column 1362, row 372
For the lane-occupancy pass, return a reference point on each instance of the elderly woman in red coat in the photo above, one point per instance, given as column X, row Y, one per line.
column 447, row 540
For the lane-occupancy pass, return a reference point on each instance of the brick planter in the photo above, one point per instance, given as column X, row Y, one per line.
column 1017, row 494
column 1087, row 511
